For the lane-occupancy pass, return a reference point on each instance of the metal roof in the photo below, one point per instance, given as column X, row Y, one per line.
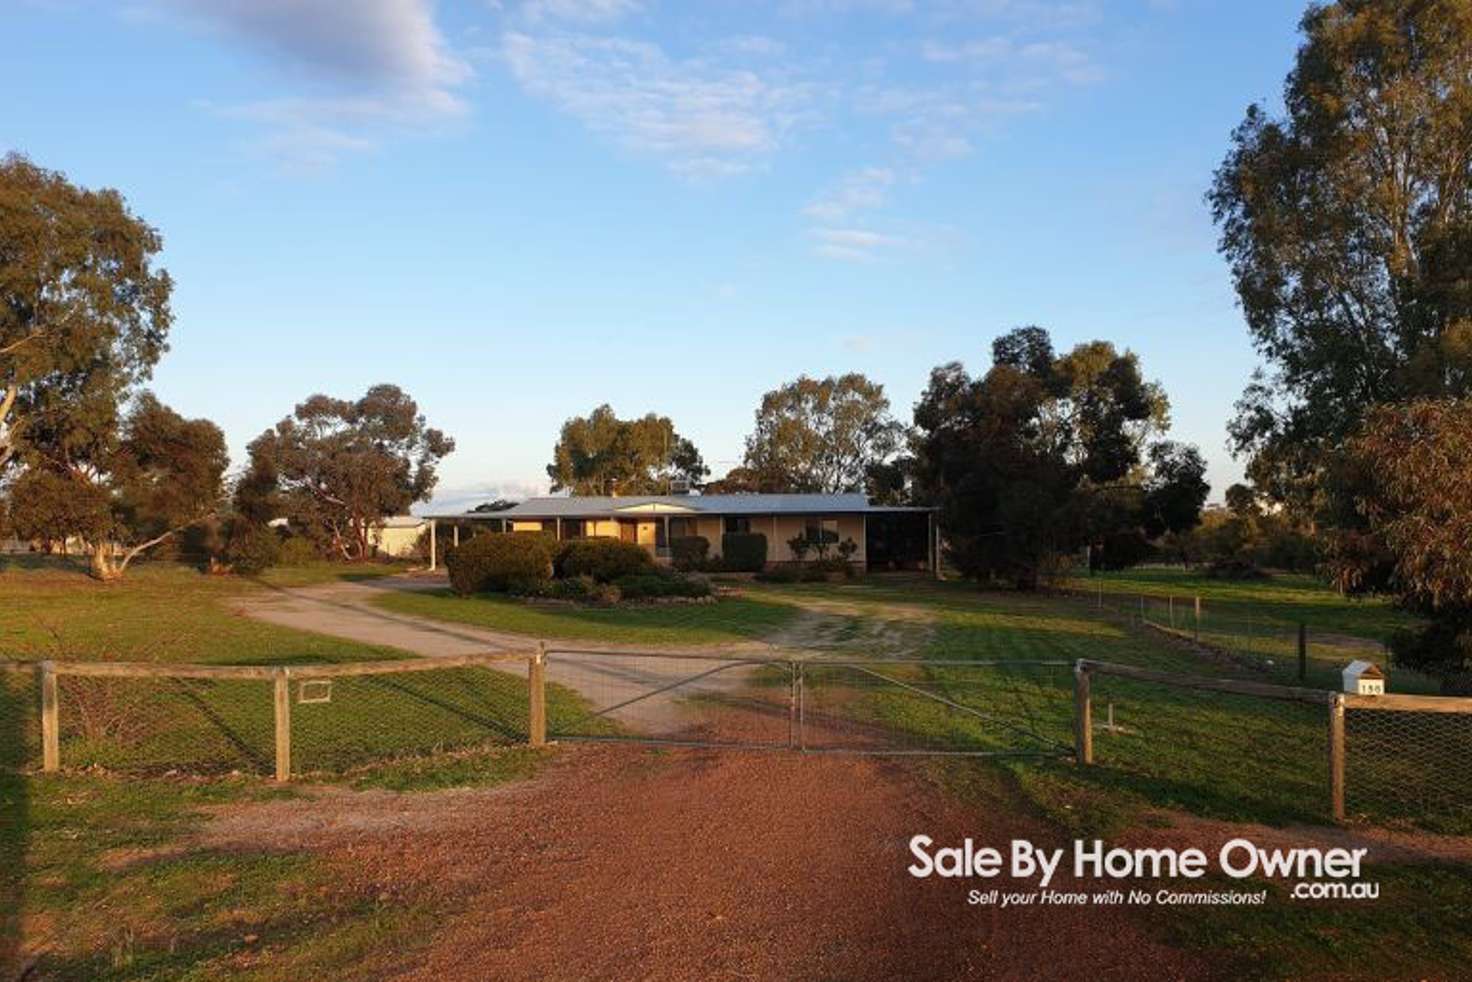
column 685, row 504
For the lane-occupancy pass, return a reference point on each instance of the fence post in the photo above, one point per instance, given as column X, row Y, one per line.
column 536, row 677
column 281, row 685
column 802, row 707
column 1336, row 756
column 1302, row 651
column 1198, row 619
column 1083, row 716
column 792, row 705
column 50, row 719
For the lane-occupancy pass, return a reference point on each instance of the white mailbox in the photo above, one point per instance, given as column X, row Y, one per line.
column 1364, row 678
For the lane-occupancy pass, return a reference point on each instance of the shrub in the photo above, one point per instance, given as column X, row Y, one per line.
column 573, row 588
column 605, row 594
column 508, row 562
column 744, row 552
column 800, row 545
column 689, row 551
column 782, row 574
column 846, row 550
column 248, row 547
column 297, row 550
column 650, row 585
column 605, row 560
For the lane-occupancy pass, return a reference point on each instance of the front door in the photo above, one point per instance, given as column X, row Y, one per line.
column 628, row 531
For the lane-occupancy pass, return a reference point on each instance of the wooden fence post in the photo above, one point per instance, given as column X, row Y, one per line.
column 50, row 719
column 1302, row 651
column 281, row 698
column 536, row 678
column 1336, row 756
column 1083, row 717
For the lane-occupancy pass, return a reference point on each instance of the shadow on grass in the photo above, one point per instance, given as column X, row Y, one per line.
column 14, row 821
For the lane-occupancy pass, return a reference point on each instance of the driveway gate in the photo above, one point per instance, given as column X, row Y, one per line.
column 812, row 704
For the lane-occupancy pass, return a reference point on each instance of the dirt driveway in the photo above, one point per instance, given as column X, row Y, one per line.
column 630, row 864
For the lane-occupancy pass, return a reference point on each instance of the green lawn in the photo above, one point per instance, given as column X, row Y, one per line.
column 159, row 612
column 729, row 619
column 1286, row 598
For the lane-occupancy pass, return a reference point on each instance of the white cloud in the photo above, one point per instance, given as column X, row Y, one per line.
column 853, row 244
column 857, row 191
column 580, row 11
column 370, row 63
column 701, row 117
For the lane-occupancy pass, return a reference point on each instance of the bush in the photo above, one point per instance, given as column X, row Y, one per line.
column 573, row 588
column 689, row 551
column 605, row 560
column 1235, row 569
column 744, row 552
column 297, row 551
column 782, row 574
column 505, row 562
column 248, row 547
column 651, row 585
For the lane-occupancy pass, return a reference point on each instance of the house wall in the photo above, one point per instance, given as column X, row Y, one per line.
column 777, row 528
column 398, row 542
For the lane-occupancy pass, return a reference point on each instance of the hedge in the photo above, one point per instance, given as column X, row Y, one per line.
column 744, row 552
column 501, row 562
column 689, row 551
column 605, row 560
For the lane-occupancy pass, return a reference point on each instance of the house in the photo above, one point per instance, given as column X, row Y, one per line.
column 398, row 537
column 887, row 537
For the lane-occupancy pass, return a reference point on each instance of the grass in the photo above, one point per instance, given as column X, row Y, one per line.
column 727, row 620
column 1284, row 598
column 160, row 612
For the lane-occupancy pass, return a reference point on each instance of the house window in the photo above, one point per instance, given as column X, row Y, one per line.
column 738, row 525
column 682, row 527
column 573, row 528
column 821, row 530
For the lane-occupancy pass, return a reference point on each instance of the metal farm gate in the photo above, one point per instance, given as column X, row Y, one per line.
column 812, row 704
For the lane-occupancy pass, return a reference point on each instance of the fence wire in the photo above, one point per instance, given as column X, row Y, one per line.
column 346, row 722
column 979, row 708
column 1230, row 755
column 1412, row 766
column 666, row 698
column 159, row 725
column 20, row 727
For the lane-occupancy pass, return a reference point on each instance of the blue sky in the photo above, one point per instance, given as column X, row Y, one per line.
column 520, row 209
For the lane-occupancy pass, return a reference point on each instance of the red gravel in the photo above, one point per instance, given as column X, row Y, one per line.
column 624, row 863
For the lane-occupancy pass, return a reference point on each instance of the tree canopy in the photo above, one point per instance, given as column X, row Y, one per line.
column 126, row 489
column 1046, row 454
column 1348, row 227
column 822, row 435
column 336, row 468
column 84, row 312
column 601, row 454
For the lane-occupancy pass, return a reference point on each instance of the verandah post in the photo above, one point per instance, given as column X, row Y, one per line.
column 50, row 719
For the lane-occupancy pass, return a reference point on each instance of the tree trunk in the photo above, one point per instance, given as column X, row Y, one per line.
column 104, row 565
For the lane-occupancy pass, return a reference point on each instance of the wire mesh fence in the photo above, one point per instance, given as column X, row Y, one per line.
column 20, row 730
column 346, row 721
column 1409, row 765
column 153, row 725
